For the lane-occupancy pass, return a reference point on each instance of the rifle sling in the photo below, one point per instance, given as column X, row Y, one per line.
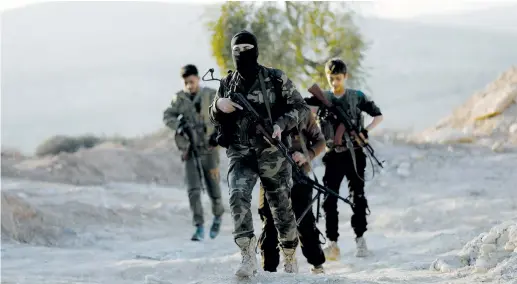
column 265, row 97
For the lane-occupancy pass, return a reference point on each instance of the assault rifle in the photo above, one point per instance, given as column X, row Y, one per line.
column 345, row 122
column 298, row 174
column 261, row 125
column 184, row 128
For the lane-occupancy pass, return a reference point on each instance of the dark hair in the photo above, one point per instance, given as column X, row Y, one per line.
column 335, row 66
column 188, row 70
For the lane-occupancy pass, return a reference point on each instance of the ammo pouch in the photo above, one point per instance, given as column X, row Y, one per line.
column 223, row 138
column 226, row 131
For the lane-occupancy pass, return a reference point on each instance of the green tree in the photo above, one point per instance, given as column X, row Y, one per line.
column 296, row 37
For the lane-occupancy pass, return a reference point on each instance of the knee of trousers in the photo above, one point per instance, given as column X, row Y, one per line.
column 279, row 203
column 194, row 191
column 360, row 204
column 358, row 219
column 240, row 202
column 356, row 186
column 238, row 196
column 330, row 203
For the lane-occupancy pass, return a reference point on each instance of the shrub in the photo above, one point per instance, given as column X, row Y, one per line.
column 60, row 143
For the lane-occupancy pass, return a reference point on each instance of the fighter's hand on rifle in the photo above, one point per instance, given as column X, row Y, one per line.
column 277, row 132
column 226, row 105
column 299, row 158
column 325, row 114
column 364, row 135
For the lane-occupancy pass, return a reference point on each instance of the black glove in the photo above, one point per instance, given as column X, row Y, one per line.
column 325, row 114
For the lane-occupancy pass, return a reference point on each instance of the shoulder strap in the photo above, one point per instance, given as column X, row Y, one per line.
column 229, row 81
column 265, row 97
column 277, row 82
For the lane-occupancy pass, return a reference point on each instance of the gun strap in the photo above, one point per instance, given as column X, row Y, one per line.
column 265, row 97
column 351, row 149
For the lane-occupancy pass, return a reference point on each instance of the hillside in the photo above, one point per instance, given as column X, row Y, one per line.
column 151, row 159
column 489, row 117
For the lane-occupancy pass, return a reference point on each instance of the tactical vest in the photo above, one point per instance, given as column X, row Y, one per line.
column 229, row 132
column 200, row 122
column 349, row 103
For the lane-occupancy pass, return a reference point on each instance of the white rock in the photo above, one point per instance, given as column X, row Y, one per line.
column 497, row 146
column 490, row 238
column 513, row 128
column 488, row 248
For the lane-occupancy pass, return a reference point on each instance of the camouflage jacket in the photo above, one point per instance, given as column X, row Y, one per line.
column 287, row 111
column 182, row 104
column 314, row 140
column 354, row 103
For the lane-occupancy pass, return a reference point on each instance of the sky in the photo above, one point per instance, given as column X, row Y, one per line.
column 399, row 9
column 78, row 106
column 394, row 9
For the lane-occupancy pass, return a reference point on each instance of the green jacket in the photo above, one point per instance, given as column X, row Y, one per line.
column 183, row 104
column 354, row 103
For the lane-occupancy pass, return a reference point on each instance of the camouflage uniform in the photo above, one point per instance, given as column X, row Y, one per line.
column 301, row 197
column 183, row 104
column 251, row 157
column 339, row 163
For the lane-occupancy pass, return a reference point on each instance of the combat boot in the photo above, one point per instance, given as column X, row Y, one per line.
column 331, row 251
column 199, row 234
column 290, row 263
column 362, row 249
column 216, row 226
column 317, row 269
column 248, row 266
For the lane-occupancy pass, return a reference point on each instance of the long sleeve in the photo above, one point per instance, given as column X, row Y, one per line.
column 214, row 132
column 215, row 114
column 170, row 115
column 367, row 105
column 296, row 106
column 315, row 137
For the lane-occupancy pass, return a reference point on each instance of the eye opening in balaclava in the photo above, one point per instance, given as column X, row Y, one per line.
column 245, row 60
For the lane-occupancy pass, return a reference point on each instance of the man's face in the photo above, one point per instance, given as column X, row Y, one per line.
column 337, row 82
column 191, row 83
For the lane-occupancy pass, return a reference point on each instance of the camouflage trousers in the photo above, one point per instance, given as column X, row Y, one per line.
column 246, row 166
column 210, row 168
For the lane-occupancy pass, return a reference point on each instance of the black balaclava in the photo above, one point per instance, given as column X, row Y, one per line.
column 246, row 62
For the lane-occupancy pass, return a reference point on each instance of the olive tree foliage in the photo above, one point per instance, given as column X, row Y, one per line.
column 296, row 37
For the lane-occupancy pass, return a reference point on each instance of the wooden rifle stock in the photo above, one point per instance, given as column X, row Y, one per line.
column 316, row 91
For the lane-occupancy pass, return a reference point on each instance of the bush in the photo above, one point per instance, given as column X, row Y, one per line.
column 67, row 144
